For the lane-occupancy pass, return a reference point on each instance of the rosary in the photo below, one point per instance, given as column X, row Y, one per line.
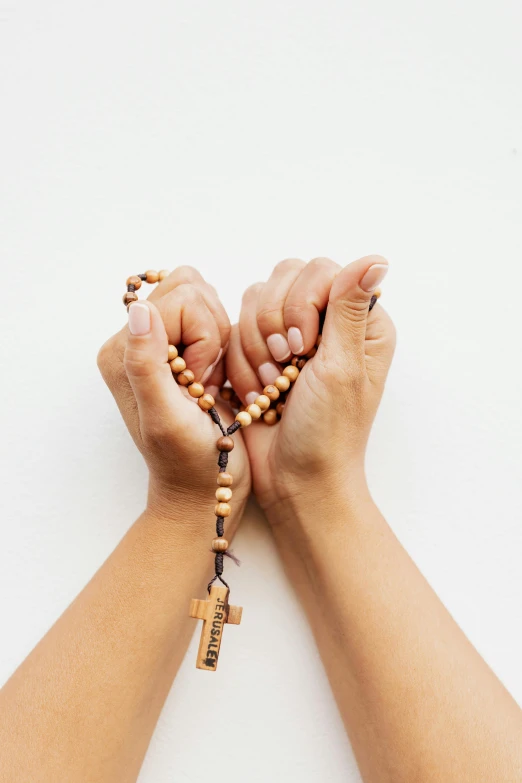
column 269, row 406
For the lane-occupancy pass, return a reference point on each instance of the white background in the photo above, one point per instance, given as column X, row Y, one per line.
column 229, row 136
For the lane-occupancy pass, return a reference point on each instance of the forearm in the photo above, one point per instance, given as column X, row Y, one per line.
column 418, row 701
column 83, row 705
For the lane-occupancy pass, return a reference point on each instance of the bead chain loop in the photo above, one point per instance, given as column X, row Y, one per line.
column 269, row 406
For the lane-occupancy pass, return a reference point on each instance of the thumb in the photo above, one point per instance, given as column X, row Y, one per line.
column 146, row 364
column 348, row 305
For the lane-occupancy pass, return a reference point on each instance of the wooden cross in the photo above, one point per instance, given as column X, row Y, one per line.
column 215, row 613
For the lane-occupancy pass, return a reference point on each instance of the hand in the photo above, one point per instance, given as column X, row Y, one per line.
column 319, row 445
column 176, row 438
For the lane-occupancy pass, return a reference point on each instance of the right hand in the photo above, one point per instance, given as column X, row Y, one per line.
column 317, row 449
column 176, row 438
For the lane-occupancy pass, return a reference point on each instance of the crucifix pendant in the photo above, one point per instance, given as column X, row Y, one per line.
column 215, row 613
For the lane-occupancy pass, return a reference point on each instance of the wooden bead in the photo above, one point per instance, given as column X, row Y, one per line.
column 254, row 410
column 163, row 274
column 219, row 545
column 223, row 510
column 185, row 378
column 206, row 402
column 135, row 281
column 294, row 361
column 244, row 418
column 223, row 494
column 263, row 402
column 196, row 390
column 173, row 352
column 226, row 393
column 178, row 364
column 282, row 383
column 225, row 479
column 272, row 392
column 280, row 408
column 377, row 293
column 225, row 443
column 270, row 417
column 129, row 298
column 301, row 363
column 291, row 372
column 152, row 276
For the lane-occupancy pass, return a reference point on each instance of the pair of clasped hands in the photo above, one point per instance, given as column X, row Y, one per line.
column 321, row 438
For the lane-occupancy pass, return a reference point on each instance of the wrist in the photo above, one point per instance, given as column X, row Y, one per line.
column 312, row 537
column 189, row 514
column 298, row 504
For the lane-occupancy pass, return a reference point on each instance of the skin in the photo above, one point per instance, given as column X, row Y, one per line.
column 418, row 702
column 82, row 707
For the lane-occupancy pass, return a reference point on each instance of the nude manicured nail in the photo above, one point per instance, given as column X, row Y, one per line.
column 268, row 372
column 251, row 397
column 208, row 372
column 278, row 347
column 139, row 319
column 373, row 277
column 295, row 340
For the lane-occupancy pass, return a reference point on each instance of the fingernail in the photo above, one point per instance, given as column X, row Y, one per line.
column 295, row 340
column 373, row 277
column 268, row 372
column 208, row 372
column 251, row 397
column 278, row 347
column 213, row 390
column 139, row 319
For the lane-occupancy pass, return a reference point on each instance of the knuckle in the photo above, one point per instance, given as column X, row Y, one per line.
column 322, row 262
column 252, row 292
column 188, row 293
column 188, row 274
column 288, row 265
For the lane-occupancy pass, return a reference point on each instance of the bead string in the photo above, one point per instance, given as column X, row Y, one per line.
column 269, row 406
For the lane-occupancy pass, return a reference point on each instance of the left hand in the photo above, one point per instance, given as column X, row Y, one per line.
column 176, row 438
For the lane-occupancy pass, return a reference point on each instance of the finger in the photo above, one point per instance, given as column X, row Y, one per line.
column 147, row 368
column 188, row 275
column 346, row 316
column 252, row 341
column 239, row 372
column 244, row 380
column 305, row 301
column 217, row 378
column 270, row 306
column 189, row 321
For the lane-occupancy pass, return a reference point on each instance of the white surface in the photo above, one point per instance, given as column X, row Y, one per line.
column 229, row 136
